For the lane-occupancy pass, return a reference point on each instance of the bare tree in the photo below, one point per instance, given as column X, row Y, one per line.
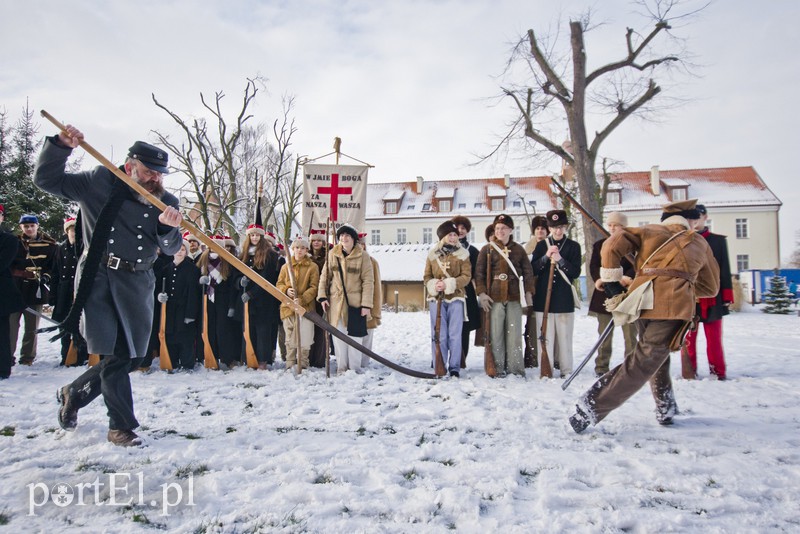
column 225, row 160
column 558, row 90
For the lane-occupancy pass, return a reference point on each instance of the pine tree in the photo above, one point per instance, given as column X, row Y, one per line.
column 778, row 298
column 18, row 151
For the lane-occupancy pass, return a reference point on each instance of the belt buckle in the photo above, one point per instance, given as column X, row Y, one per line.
column 113, row 262
column 502, row 276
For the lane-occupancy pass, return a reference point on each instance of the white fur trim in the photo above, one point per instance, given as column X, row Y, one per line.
column 449, row 286
column 431, row 286
column 611, row 274
column 677, row 219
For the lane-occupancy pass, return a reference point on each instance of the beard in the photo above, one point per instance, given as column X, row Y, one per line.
column 152, row 187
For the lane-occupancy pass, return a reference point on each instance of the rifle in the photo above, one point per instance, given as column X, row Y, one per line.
column 298, row 317
column 249, row 350
column 488, row 354
column 439, row 364
column 327, row 314
column 574, row 202
column 164, row 361
column 209, row 360
column 545, row 369
column 237, row 264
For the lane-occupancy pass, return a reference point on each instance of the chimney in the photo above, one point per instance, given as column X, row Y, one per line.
column 655, row 182
column 419, row 184
column 507, row 181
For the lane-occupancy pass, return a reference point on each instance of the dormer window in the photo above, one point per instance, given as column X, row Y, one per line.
column 677, row 189
column 614, row 194
column 445, row 205
column 390, row 208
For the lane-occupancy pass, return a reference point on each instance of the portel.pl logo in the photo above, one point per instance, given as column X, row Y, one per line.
column 118, row 489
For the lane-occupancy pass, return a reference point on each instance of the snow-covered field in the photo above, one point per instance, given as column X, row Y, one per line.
column 255, row 451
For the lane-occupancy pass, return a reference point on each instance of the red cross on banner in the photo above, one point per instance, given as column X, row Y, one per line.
column 334, row 191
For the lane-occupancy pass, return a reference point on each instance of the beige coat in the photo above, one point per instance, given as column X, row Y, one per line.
column 306, row 276
column 359, row 279
column 459, row 272
column 673, row 296
column 377, row 298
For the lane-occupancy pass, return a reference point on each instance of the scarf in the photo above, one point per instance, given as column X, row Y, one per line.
column 215, row 274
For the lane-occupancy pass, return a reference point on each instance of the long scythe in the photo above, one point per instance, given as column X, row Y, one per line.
column 238, row 264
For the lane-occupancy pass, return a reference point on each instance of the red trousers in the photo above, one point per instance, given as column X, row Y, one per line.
column 716, row 356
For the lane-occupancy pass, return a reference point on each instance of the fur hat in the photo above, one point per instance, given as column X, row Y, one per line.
column 347, row 229
column 190, row 237
column 701, row 209
column 255, row 229
column 617, row 217
column 538, row 221
column 317, row 235
column 446, row 228
column 685, row 208
column 504, row 219
column 489, row 232
column 269, row 236
column 300, row 241
column 69, row 222
column 460, row 219
column 556, row 218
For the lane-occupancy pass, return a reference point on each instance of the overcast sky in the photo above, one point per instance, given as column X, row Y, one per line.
column 406, row 84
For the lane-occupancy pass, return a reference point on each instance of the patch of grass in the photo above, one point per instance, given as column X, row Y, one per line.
column 285, row 429
column 448, row 462
column 85, row 465
column 421, row 440
column 324, row 478
column 410, row 475
column 191, row 470
column 206, row 413
column 390, row 430
column 191, row 435
column 5, row 516
column 230, row 429
column 251, row 385
column 361, row 431
column 711, row 483
column 8, row 431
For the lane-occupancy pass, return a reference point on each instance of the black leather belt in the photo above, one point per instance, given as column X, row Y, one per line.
column 117, row 263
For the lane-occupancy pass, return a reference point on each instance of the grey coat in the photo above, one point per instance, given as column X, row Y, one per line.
column 118, row 298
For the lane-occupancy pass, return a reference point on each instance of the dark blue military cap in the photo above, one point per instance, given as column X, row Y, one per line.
column 151, row 156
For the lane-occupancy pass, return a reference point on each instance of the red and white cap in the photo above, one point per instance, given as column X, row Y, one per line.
column 255, row 229
column 269, row 236
column 68, row 222
column 190, row 237
column 316, row 235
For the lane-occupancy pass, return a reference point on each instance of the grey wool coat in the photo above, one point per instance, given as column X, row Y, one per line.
column 118, row 298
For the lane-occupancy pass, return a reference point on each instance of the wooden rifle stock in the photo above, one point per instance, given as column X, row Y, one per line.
column 488, row 354
column 164, row 361
column 439, row 368
column 545, row 369
column 209, row 360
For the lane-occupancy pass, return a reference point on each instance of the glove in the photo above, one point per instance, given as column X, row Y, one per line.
column 245, row 298
column 205, row 280
column 243, row 281
column 162, row 298
column 230, row 313
column 485, row 302
column 188, row 321
column 613, row 289
column 528, row 300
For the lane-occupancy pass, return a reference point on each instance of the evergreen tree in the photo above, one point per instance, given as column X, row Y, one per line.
column 778, row 298
column 18, row 152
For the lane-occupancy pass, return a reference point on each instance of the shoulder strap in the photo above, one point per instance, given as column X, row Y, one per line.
column 341, row 275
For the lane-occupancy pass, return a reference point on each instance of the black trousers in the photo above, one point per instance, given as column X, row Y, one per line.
column 180, row 345
column 5, row 347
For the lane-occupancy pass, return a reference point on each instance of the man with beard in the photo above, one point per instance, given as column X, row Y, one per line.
column 116, row 281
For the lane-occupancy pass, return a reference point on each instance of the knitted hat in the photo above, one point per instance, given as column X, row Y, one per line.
column 349, row 230
column 446, row 228
column 504, row 219
column 317, row 235
column 460, row 219
column 617, row 217
column 29, row 219
column 300, row 241
column 685, row 208
column 255, row 229
column 69, row 222
column 538, row 221
column 556, row 218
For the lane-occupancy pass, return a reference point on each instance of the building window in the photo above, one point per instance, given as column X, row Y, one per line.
column 426, row 207
column 391, row 207
column 516, row 204
column 709, row 225
column 498, row 204
column 427, row 236
column 445, row 205
column 515, row 234
column 375, row 237
column 411, row 206
column 478, row 205
column 742, row 262
column 471, row 236
column 401, row 236
column 742, row 229
column 462, row 205
column 613, row 197
column 679, row 193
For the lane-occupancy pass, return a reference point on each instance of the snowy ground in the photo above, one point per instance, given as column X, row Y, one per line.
column 255, row 451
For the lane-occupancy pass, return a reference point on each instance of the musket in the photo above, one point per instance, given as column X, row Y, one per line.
column 574, row 202
column 164, row 361
column 488, row 354
column 237, row 264
column 437, row 330
column 545, row 369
